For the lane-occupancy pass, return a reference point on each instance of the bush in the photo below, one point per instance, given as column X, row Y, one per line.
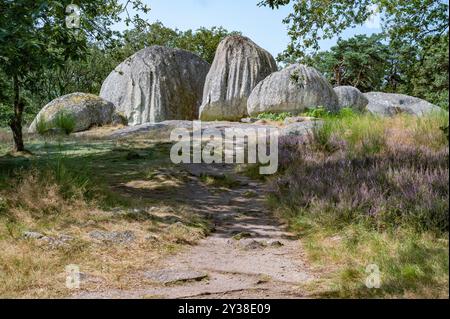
column 318, row 112
column 277, row 117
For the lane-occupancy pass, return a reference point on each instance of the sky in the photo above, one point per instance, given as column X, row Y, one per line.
column 263, row 25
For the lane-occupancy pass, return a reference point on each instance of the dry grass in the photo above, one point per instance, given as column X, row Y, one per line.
column 55, row 202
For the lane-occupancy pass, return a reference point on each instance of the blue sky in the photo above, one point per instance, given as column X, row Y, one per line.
column 261, row 24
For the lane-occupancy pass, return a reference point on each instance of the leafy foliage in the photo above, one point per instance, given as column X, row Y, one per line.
column 408, row 21
column 34, row 38
column 277, row 117
column 429, row 78
column 203, row 41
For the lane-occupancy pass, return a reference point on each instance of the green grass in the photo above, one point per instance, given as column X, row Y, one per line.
column 412, row 265
column 64, row 121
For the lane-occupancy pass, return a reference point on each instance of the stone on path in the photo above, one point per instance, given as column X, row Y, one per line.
column 170, row 276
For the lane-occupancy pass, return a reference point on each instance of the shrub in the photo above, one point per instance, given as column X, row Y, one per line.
column 318, row 112
column 278, row 117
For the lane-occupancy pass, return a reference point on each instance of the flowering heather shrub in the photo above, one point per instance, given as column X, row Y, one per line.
column 391, row 186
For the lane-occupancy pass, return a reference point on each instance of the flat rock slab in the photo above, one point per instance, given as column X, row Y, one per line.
column 164, row 128
column 113, row 237
column 171, row 276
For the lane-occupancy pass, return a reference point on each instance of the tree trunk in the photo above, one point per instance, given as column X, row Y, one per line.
column 16, row 122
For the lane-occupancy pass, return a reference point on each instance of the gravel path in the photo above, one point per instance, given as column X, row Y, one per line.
column 249, row 255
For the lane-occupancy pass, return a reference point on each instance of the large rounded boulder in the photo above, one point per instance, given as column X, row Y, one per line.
column 85, row 110
column 294, row 89
column 389, row 104
column 157, row 84
column 239, row 65
column 351, row 97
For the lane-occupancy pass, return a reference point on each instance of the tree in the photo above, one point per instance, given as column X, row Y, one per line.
column 404, row 21
column 35, row 37
column 416, row 35
column 430, row 73
column 203, row 41
column 359, row 61
column 87, row 75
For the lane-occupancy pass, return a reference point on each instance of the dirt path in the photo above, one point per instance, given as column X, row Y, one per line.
column 249, row 255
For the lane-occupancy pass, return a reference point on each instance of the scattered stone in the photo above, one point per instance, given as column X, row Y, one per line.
column 115, row 237
column 253, row 244
column 336, row 238
column 65, row 238
column 239, row 65
column 173, row 276
column 299, row 119
column 241, row 235
column 53, row 242
column 263, row 279
column 87, row 110
column 276, row 244
column 157, row 84
column 293, row 89
column 249, row 120
column 33, row 235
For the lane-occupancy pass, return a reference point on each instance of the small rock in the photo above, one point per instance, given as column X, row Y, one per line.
column 249, row 120
column 241, row 235
column 59, row 241
column 253, row 244
column 298, row 119
column 114, row 237
column 65, row 238
column 32, row 235
column 170, row 276
column 276, row 243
